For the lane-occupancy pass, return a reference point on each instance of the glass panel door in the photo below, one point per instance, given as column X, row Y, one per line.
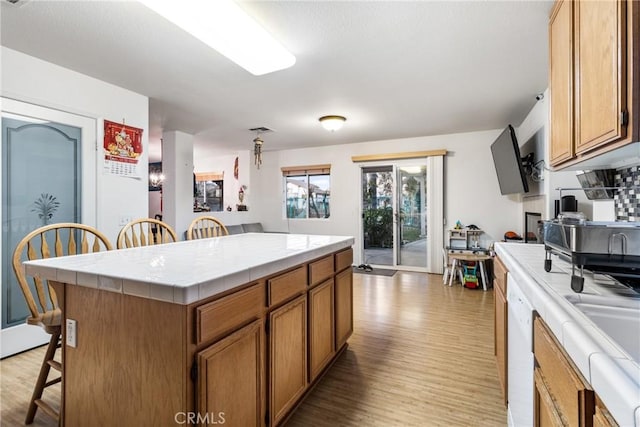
column 377, row 215
column 394, row 215
column 48, row 174
column 411, row 219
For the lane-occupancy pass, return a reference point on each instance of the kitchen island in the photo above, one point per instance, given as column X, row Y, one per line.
column 607, row 360
column 231, row 330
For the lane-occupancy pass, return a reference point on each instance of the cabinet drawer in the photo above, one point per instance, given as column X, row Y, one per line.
column 222, row 316
column 572, row 395
column 320, row 270
column 344, row 259
column 500, row 275
column 287, row 285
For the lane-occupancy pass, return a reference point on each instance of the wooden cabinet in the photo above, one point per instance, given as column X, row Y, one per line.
column 592, row 65
column 222, row 316
column 321, row 328
column 562, row 396
column 287, row 357
column 343, row 307
column 243, row 357
column 561, row 82
column 501, row 324
column 602, row 417
column 231, row 378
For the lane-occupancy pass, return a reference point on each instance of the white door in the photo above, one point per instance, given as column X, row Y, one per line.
column 48, row 154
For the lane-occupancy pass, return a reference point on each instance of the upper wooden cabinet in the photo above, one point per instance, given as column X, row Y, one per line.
column 561, row 82
column 591, row 78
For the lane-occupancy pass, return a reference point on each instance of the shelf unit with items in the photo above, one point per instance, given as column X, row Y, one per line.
column 464, row 239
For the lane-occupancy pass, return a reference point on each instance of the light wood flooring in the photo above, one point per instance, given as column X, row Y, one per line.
column 421, row 355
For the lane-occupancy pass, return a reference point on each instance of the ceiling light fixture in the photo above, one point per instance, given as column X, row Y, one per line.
column 224, row 26
column 332, row 123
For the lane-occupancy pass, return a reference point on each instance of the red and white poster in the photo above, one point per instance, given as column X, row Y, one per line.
column 122, row 149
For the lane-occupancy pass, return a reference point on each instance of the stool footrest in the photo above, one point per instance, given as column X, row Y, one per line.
column 47, row 408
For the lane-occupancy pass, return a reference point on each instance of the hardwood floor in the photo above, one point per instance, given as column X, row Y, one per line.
column 18, row 376
column 421, row 355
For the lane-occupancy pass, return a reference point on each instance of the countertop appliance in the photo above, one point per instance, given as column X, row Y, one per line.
column 611, row 248
column 520, row 357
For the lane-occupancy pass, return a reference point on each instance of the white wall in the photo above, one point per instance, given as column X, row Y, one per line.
column 472, row 194
column 225, row 164
column 537, row 119
column 32, row 80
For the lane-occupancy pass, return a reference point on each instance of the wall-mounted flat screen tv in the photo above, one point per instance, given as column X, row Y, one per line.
column 508, row 163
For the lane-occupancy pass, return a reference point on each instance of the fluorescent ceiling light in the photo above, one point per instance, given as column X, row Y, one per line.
column 224, row 26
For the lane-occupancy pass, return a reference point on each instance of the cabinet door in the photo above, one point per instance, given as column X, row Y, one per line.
column 231, row 378
column 321, row 328
column 343, row 307
column 600, row 78
column 545, row 413
column 561, row 81
column 501, row 339
column 572, row 395
column 602, row 417
column 287, row 357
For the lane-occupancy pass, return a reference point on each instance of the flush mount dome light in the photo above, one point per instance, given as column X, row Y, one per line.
column 332, row 123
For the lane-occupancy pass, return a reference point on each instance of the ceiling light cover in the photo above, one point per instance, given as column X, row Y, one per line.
column 224, row 26
column 332, row 123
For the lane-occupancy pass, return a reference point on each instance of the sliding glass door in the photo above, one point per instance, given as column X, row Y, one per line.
column 394, row 219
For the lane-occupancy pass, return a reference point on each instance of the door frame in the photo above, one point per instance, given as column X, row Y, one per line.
column 434, row 212
column 23, row 337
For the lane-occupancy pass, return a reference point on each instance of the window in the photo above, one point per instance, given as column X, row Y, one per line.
column 208, row 192
column 307, row 191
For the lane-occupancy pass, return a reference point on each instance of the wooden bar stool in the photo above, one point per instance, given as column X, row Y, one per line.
column 206, row 226
column 145, row 232
column 46, row 313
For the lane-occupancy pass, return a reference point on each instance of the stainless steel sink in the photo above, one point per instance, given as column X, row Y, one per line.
column 619, row 318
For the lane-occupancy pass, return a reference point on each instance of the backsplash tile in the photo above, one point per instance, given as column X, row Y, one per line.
column 627, row 199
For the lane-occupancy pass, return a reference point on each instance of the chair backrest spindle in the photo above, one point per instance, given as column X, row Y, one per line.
column 145, row 232
column 206, row 226
column 27, row 248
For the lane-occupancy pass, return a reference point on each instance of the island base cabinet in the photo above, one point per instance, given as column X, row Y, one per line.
column 343, row 307
column 128, row 367
column 231, row 379
column 287, row 357
column 321, row 328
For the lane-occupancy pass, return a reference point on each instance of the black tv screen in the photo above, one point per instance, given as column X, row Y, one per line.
column 508, row 163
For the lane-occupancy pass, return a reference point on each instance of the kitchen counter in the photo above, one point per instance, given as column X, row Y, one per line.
column 612, row 372
column 188, row 271
column 234, row 328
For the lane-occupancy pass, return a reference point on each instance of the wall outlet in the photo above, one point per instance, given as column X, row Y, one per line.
column 124, row 220
column 71, row 333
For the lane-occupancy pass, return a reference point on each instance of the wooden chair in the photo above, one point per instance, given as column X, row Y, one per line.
column 206, row 226
column 63, row 239
column 145, row 232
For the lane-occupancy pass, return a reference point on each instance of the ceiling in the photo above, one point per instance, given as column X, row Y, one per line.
column 394, row 69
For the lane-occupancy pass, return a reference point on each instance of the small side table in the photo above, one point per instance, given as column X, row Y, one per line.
column 479, row 258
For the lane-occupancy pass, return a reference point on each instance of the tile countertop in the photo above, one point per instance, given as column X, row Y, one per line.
column 188, row 271
column 612, row 373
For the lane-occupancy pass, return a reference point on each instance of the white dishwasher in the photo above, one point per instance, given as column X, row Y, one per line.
column 520, row 356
